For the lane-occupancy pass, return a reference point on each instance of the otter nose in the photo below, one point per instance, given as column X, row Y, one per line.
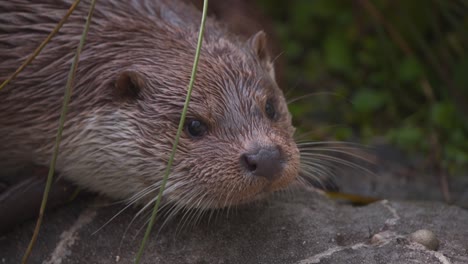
column 263, row 161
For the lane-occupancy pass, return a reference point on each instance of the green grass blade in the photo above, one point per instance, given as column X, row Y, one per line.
column 179, row 132
column 63, row 114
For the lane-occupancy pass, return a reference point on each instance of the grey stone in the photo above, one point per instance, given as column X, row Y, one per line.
column 301, row 228
column 426, row 238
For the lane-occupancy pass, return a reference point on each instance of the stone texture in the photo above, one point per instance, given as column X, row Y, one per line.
column 301, row 228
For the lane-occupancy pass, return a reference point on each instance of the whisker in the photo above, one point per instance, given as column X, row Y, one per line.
column 129, row 204
column 314, row 143
column 318, row 175
column 173, row 211
column 309, row 95
column 341, row 151
column 146, row 222
column 277, row 56
column 291, row 88
column 316, row 167
column 189, row 211
column 197, row 218
column 146, row 191
column 304, row 136
column 336, row 160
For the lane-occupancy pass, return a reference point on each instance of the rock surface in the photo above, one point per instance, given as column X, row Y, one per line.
column 300, row 228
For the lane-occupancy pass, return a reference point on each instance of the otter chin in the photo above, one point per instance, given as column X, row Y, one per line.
column 237, row 145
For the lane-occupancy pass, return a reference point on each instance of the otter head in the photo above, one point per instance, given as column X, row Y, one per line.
column 237, row 143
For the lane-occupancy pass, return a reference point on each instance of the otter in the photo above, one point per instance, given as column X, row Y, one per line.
column 129, row 91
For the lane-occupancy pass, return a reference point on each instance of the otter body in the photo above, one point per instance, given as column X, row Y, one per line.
column 127, row 98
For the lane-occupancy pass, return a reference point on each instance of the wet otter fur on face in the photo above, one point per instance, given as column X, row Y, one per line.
column 128, row 95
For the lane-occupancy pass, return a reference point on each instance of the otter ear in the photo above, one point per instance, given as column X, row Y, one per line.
column 128, row 85
column 258, row 43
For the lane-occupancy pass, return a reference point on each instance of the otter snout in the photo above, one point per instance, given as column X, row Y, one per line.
column 264, row 161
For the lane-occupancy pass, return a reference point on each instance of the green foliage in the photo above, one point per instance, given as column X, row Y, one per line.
column 397, row 69
column 367, row 101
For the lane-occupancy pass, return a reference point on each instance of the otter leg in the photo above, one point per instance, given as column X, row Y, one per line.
column 21, row 195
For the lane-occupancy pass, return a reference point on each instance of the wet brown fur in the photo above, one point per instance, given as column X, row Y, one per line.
column 118, row 145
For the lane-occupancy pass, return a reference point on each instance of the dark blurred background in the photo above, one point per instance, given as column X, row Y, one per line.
column 389, row 69
column 378, row 72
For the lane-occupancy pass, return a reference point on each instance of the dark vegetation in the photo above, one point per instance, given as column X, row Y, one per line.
column 389, row 69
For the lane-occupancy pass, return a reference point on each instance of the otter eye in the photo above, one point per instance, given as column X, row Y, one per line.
column 270, row 110
column 196, row 128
